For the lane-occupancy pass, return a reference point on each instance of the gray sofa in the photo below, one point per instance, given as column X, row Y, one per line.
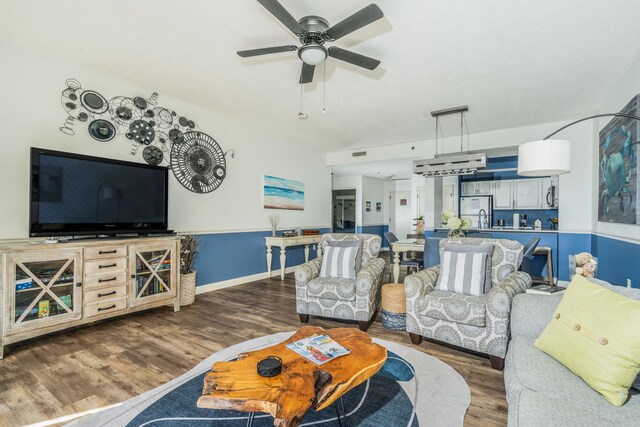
column 541, row 391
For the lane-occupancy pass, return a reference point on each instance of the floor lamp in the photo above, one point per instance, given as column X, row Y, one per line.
column 552, row 156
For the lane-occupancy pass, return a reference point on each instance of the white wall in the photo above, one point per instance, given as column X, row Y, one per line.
column 33, row 113
column 373, row 191
column 628, row 87
column 575, row 186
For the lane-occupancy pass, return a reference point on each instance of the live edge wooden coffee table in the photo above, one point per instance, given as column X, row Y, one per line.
column 301, row 385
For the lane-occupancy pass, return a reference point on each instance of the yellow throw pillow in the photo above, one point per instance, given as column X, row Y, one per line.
column 595, row 333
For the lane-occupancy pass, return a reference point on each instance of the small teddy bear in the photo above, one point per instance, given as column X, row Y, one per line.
column 585, row 264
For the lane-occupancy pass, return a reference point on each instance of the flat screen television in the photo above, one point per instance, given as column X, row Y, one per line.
column 73, row 194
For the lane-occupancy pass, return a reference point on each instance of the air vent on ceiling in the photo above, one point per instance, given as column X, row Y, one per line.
column 446, row 165
column 358, row 154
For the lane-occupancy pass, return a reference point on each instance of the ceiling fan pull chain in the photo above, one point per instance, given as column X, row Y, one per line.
column 301, row 114
column 461, row 132
column 324, row 87
column 437, row 121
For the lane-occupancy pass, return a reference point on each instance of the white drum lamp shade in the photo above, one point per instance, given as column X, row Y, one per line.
column 546, row 157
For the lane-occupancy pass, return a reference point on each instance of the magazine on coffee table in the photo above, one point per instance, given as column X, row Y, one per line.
column 319, row 349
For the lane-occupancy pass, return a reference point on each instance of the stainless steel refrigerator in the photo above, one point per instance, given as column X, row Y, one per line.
column 479, row 209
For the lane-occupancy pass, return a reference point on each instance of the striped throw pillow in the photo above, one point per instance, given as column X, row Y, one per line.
column 462, row 273
column 339, row 262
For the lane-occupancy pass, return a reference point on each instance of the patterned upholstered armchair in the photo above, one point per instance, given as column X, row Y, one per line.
column 342, row 298
column 477, row 323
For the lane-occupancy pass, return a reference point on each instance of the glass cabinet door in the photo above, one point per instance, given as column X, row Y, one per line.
column 45, row 291
column 152, row 274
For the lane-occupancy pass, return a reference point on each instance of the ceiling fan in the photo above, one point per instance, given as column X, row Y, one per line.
column 313, row 31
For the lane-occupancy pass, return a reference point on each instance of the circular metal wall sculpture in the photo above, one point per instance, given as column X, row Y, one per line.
column 198, row 163
column 93, row 102
column 102, row 130
column 142, row 132
column 152, row 155
column 123, row 111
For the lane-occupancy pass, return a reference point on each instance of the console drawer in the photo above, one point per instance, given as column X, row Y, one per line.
column 105, row 252
column 104, row 307
column 104, row 294
column 105, row 279
column 109, row 265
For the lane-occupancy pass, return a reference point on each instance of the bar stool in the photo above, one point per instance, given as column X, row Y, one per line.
column 545, row 250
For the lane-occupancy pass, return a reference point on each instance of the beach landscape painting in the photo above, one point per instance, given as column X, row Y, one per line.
column 280, row 193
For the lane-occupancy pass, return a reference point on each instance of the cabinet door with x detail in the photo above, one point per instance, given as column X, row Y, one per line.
column 152, row 272
column 44, row 288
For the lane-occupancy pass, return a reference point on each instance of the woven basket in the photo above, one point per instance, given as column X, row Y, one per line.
column 393, row 298
column 394, row 307
column 187, row 288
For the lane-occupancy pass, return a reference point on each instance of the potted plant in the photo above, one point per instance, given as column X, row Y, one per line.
column 188, row 252
column 456, row 225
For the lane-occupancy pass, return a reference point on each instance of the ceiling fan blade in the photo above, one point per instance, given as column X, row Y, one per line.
column 363, row 17
column 306, row 75
column 266, row 50
column 277, row 10
column 353, row 58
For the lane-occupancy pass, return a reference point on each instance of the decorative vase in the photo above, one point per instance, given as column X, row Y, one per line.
column 187, row 288
column 455, row 233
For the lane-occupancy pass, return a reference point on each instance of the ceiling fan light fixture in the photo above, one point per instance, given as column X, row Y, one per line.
column 312, row 54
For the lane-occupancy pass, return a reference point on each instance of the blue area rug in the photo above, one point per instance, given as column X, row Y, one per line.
column 412, row 389
column 371, row 404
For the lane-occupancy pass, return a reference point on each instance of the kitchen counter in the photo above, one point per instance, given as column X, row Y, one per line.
column 501, row 230
column 548, row 238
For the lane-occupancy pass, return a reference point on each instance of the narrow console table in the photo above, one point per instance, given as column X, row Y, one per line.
column 283, row 243
column 50, row 287
column 401, row 246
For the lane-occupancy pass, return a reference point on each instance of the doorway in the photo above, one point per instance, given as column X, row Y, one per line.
column 401, row 214
column 344, row 211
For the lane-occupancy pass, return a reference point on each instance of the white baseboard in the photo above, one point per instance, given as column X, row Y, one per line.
column 210, row 287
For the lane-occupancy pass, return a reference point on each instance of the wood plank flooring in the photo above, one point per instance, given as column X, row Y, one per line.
column 106, row 363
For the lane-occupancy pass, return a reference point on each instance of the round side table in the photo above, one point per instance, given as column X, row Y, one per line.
column 394, row 307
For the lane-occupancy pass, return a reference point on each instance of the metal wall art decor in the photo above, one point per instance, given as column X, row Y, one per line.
column 198, row 163
column 196, row 159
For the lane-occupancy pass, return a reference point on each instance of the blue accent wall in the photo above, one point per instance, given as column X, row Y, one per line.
column 617, row 260
column 385, row 242
column 225, row 256
column 571, row 244
column 375, row 229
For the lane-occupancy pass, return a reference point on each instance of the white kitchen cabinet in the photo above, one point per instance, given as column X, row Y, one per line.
column 503, row 194
column 528, row 193
column 483, row 188
column 477, row 188
column 510, row 194
column 468, row 189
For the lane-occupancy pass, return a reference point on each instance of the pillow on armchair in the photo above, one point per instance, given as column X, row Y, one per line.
column 350, row 244
column 339, row 262
column 463, row 272
column 486, row 249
